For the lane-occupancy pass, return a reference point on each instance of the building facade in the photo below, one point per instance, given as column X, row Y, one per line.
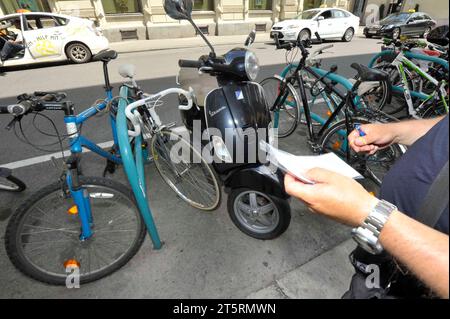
column 146, row 19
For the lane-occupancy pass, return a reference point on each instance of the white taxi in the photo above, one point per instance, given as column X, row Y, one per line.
column 53, row 37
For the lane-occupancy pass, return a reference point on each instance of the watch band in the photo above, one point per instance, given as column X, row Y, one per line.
column 367, row 235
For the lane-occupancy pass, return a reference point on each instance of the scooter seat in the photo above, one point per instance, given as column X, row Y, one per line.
column 367, row 74
column 106, row 55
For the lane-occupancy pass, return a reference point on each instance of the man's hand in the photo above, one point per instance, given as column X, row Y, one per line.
column 333, row 195
column 378, row 136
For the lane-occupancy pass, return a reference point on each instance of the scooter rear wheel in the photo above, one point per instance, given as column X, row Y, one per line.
column 258, row 215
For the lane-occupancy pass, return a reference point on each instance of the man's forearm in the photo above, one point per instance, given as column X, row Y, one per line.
column 408, row 132
column 422, row 249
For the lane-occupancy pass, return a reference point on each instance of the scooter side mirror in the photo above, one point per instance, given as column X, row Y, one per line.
column 250, row 39
column 178, row 9
column 127, row 71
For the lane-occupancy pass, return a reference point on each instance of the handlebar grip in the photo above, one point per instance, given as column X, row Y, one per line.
column 21, row 108
column 189, row 64
column 16, row 109
column 4, row 110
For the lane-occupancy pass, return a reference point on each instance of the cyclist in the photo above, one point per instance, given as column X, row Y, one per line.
column 418, row 185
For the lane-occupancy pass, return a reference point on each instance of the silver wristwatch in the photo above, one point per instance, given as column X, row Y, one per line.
column 367, row 234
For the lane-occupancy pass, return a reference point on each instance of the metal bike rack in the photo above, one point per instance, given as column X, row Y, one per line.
column 134, row 167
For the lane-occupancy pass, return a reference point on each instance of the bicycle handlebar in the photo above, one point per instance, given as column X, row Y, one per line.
column 38, row 101
column 16, row 109
column 134, row 116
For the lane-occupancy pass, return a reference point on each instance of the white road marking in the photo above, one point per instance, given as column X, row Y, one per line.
column 48, row 157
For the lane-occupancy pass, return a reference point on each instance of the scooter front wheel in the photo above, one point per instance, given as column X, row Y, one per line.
column 258, row 215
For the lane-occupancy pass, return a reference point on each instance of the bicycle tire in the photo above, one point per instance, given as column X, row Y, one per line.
column 394, row 150
column 215, row 202
column 13, row 235
column 271, row 94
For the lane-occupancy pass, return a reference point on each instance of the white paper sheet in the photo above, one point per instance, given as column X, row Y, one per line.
column 299, row 165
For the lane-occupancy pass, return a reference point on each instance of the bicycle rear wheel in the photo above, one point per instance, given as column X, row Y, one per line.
column 286, row 116
column 185, row 170
column 43, row 236
column 374, row 166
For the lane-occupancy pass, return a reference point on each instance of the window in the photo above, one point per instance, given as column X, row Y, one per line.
column 12, row 6
column 121, row 6
column 203, row 5
column 34, row 22
column 307, row 15
column 260, row 5
column 326, row 14
column 338, row 14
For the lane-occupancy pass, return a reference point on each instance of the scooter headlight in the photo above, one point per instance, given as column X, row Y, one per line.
column 221, row 149
column 251, row 65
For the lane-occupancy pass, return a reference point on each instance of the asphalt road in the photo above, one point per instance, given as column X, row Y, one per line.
column 205, row 255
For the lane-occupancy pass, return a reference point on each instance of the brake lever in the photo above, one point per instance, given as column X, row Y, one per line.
column 12, row 123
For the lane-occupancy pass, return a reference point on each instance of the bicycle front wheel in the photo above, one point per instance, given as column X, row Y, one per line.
column 43, row 236
column 373, row 166
column 286, row 115
column 185, row 170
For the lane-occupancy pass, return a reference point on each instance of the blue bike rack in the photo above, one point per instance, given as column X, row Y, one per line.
column 134, row 167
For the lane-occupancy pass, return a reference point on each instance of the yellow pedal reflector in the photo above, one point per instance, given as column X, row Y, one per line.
column 73, row 210
column 71, row 263
column 372, row 193
column 329, row 113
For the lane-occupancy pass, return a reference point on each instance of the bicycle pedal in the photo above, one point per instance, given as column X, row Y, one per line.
column 316, row 148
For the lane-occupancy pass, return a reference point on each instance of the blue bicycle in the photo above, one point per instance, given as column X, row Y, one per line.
column 90, row 223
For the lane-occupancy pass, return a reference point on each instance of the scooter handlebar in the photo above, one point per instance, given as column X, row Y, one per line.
column 190, row 64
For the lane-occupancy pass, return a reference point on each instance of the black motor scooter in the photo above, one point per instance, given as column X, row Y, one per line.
column 229, row 104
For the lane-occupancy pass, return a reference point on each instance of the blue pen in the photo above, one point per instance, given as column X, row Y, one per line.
column 360, row 130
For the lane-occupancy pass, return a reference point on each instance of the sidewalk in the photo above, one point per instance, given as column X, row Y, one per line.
column 306, row 282
column 182, row 43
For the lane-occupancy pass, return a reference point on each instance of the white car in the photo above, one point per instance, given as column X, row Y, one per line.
column 53, row 37
column 330, row 23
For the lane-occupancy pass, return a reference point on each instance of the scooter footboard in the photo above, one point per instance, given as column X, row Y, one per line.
column 261, row 178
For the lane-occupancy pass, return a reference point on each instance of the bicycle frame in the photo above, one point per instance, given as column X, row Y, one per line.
column 318, row 73
column 400, row 62
column 404, row 59
column 350, row 99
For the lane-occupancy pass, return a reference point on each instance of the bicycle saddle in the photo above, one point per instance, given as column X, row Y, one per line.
column 106, row 55
column 367, row 74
